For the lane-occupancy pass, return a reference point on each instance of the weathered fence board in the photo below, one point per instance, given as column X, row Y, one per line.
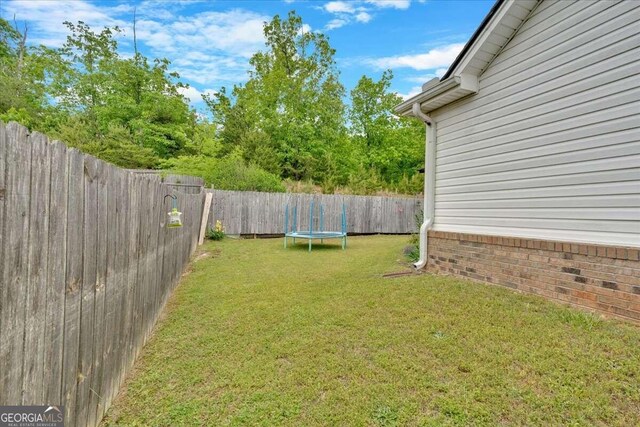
column 86, row 266
column 57, row 248
column 125, row 265
column 73, row 282
column 111, row 294
column 12, row 318
column 100, row 291
column 248, row 212
column 3, row 157
column 36, row 292
column 87, row 292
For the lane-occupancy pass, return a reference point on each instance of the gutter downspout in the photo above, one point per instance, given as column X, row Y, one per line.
column 429, row 182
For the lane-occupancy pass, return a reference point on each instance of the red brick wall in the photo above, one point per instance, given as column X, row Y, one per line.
column 598, row 278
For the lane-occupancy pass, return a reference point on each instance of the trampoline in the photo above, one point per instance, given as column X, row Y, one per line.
column 311, row 234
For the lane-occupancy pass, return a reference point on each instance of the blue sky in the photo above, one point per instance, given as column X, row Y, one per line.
column 210, row 42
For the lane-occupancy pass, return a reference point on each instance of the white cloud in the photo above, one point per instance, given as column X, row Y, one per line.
column 346, row 12
column 435, row 58
column 336, row 23
column 236, row 32
column 156, row 9
column 45, row 19
column 207, row 69
column 421, row 78
column 396, row 4
column 339, row 7
column 210, row 49
column 209, row 92
column 194, row 95
column 306, row 28
column 440, row 71
column 191, row 93
column 363, row 17
column 412, row 92
column 426, row 77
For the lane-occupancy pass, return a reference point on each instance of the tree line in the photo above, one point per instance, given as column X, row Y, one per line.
column 291, row 125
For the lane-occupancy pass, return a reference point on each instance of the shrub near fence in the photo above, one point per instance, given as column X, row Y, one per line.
column 86, row 266
column 249, row 212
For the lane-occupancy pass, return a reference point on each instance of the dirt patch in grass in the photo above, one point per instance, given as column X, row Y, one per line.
column 398, row 274
column 215, row 253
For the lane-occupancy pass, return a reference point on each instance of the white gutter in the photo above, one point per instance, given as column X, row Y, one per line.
column 440, row 94
column 429, row 182
column 430, row 91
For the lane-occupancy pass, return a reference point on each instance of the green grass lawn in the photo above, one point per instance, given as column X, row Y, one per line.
column 261, row 335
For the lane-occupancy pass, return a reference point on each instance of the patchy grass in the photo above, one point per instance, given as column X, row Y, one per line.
column 262, row 335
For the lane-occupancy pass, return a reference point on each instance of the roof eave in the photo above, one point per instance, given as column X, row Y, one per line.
column 404, row 109
column 443, row 93
column 473, row 38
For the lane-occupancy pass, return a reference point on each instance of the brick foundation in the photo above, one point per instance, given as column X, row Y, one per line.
column 597, row 278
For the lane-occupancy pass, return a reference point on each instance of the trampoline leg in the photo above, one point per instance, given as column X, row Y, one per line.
column 285, row 242
column 294, row 240
column 309, row 245
column 321, row 240
column 344, row 243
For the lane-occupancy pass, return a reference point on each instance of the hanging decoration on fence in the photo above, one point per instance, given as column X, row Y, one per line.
column 174, row 214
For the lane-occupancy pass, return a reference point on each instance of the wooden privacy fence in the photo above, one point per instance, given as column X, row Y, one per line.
column 86, row 266
column 248, row 212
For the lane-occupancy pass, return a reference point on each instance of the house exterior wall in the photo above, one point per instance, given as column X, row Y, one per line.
column 605, row 279
column 549, row 148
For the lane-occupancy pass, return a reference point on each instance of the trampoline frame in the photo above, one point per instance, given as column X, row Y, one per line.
column 310, row 234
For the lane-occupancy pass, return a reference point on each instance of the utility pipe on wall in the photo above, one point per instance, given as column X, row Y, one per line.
column 429, row 182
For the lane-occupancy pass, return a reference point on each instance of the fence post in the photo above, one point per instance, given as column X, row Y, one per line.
column 205, row 217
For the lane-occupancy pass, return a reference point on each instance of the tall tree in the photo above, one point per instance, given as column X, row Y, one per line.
column 130, row 106
column 24, row 71
column 394, row 146
column 289, row 116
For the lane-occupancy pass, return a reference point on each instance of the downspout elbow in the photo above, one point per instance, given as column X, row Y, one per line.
column 417, row 112
column 424, row 229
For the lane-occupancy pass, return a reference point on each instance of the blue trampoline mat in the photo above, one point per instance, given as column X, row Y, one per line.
column 316, row 234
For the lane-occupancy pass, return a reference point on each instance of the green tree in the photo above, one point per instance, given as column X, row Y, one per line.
column 392, row 145
column 289, row 116
column 24, row 72
column 371, row 109
column 131, row 110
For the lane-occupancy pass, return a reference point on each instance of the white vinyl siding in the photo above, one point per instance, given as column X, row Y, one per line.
column 549, row 147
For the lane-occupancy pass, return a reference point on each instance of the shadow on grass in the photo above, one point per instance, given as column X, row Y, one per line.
column 316, row 246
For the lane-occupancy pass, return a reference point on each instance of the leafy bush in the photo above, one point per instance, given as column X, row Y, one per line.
column 115, row 145
column 307, row 187
column 233, row 174
column 230, row 173
column 365, row 181
column 216, row 233
column 412, row 252
column 21, row 116
column 410, row 185
column 414, row 238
